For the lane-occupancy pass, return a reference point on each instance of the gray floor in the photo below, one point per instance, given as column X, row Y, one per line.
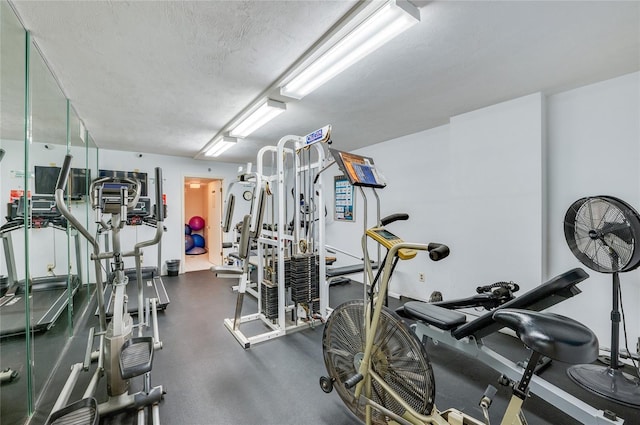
column 210, row 379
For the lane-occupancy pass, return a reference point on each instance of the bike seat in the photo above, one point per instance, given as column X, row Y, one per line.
column 557, row 337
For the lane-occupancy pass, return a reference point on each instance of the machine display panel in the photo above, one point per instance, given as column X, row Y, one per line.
column 360, row 170
column 128, row 174
column 387, row 235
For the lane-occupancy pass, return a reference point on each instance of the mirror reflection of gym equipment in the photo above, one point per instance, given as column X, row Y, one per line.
column 49, row 295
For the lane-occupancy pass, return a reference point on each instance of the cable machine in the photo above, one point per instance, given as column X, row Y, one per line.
column 292, row 292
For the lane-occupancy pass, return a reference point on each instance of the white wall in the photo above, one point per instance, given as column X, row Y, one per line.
column 594, row 149
column 474, row 185
column 495, row 184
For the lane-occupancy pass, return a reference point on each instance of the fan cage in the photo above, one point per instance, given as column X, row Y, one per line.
column 603, row 233
column 398, row 358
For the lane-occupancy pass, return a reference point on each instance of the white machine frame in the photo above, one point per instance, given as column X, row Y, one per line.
column 288, row 147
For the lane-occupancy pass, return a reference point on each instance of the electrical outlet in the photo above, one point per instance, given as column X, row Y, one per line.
column 421, row 277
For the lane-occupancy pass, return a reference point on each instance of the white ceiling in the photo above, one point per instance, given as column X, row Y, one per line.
column 165, row 77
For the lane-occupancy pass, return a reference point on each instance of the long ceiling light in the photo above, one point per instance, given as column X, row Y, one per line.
column 267, row 111
column 393, row 18
column 220, row 145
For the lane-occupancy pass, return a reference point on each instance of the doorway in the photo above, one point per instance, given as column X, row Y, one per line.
column 202, row 217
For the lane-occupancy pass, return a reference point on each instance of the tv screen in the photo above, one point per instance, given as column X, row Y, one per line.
column 127, row 174
column 78, row 182
column 46, row 179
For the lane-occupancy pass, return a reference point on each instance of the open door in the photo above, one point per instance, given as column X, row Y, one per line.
column 214, row 221
column 202, row 199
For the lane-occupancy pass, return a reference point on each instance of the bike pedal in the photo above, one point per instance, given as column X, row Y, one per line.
column 487, row 397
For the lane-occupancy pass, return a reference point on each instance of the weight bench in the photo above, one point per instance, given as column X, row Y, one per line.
column 451, row 328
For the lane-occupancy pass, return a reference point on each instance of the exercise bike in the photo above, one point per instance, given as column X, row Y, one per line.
column 382, row 372
column 366, row 344
column 123, row 353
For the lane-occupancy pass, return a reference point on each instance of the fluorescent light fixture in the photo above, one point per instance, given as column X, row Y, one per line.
column 194, row 185
column 393, row 18
column 267, row 111
column 220, row 145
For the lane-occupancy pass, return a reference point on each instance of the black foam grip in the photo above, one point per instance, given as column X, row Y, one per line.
column 159, row 200
column 438, row 251
column 351, row 382
column 64, row 172
column 394, row 217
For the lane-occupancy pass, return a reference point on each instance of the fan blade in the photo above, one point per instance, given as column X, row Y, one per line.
column 621, row 230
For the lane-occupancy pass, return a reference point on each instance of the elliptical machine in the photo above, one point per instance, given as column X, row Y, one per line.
column 121, row 356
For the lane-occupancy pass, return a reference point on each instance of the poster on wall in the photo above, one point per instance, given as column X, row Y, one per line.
column 344, row 200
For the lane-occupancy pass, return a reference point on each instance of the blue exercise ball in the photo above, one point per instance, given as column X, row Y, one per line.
column 198, row 241
column 187, row 229
column 188, row 242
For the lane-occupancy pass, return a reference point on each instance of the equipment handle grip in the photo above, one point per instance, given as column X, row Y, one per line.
column 159, row 201
column 394, row 217
column 351, row 382
column 438, row 251
column 64, row 172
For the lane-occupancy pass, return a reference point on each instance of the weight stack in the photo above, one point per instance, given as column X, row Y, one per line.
column 269, row 299
column 271, row 272
column 305, row 281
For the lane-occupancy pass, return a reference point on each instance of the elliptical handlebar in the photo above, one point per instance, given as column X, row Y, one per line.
column 64, row 172
column 159, row 199
column 62, row 207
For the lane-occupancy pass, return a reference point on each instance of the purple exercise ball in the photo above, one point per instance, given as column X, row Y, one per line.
column 196, row 222
column 188, row 242
column 187, row 229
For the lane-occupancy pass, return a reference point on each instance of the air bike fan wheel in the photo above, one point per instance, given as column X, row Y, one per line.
column 398, row 358
column 603, row 232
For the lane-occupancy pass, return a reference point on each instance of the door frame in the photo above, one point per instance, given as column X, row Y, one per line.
column 208, row 178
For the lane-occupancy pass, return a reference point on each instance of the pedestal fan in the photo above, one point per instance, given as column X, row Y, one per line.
column 603, row 232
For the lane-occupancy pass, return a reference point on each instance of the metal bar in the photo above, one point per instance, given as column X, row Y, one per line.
column 63, row 398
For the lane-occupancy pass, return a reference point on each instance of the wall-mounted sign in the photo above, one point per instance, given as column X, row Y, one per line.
column 344, row 200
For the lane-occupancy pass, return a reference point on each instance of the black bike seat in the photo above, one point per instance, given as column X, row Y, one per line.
column 557, row 337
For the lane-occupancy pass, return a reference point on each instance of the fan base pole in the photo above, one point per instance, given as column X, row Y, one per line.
column 612, row 384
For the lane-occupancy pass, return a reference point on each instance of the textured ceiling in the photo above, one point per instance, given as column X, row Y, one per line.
column 167, row 76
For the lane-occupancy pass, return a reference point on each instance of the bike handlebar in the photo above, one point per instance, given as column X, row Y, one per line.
column 438, row 251
column 394, row 217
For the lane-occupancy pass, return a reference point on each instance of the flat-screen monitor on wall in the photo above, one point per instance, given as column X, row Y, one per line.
column 46, row 178
column 128, row 174
column 79, row 182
